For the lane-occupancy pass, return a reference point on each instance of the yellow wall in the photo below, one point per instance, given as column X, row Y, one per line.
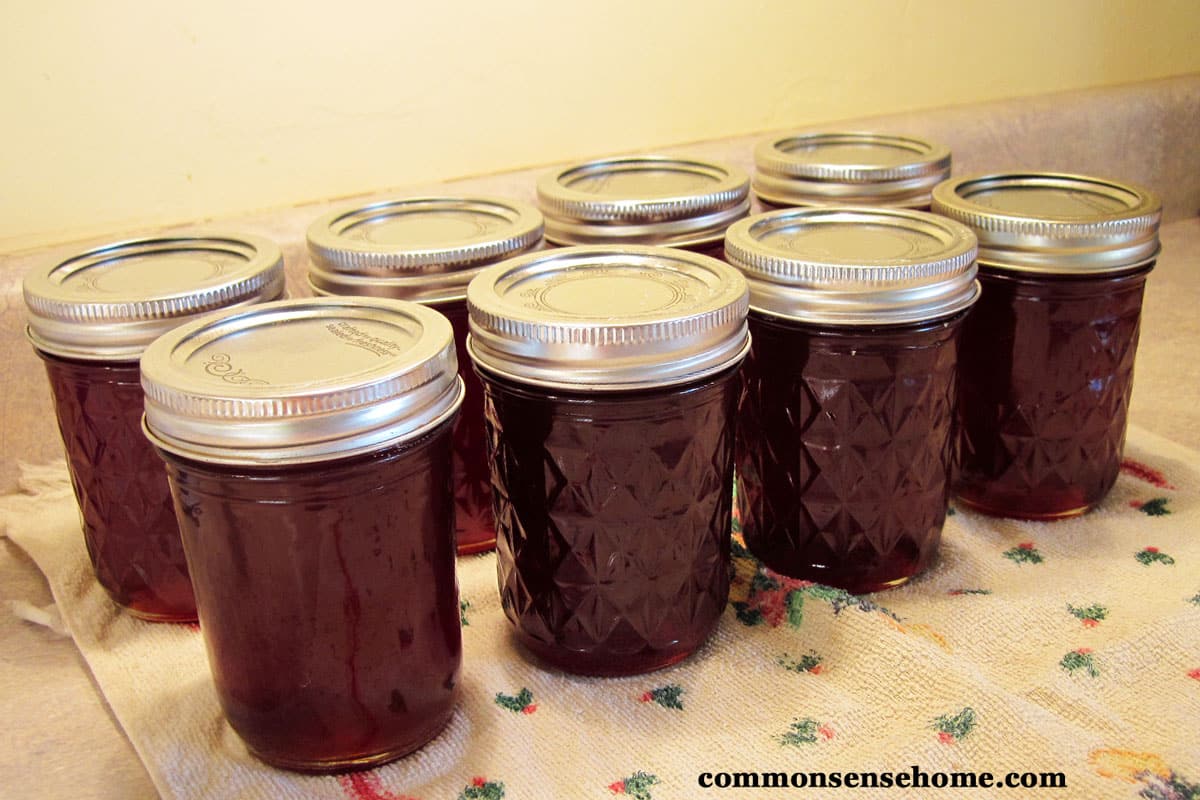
column 127, row 113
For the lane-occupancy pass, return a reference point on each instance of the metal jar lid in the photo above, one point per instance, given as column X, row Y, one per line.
column 653, row 200
column 855, row 266
column 805, row 169
column 1053, row 223
column 300, row 381
column 608, row 317
column 109, row 303
column 424, row 249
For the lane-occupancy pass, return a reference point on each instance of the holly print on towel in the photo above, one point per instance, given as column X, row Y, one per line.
column 953, row 728
column 806, row 731
column 1090, row 616
column 1150, row 555
column 1156, row 507
column 666, row 696
column 1024, row 553
column 636, row 785
column 1080, row 659
column 810, row 662
column 519, row 703
column 482, row 789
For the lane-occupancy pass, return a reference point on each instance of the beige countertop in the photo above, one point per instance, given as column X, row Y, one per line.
column 62, row 740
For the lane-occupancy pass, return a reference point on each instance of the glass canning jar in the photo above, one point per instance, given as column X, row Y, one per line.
column 1048, row 352
column 611, row 381
column 426, row 250
column 90, row 317
column 645, row 200
column 836, row 169
column 846, row 424
column 308, row 445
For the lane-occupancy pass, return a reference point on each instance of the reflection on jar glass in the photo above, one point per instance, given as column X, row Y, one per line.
column 90, row 318
column 308, row 445
column 846, row 424
column 611, row 379
column 426, row 250
column 1048, row 352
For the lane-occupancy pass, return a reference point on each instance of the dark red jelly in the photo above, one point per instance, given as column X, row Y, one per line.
column 1045, row 391
column 845, row 445
column 472, row 475
column 328, row 600
column 124, row 501
column 613, row 513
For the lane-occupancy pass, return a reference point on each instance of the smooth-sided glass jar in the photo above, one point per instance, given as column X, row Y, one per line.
column 645, row 200
column 611, row 379
column 838, row 169
column 308, row 444
column 90, row 317
column 846, row 425
column 1048, row 352
column 426, row 250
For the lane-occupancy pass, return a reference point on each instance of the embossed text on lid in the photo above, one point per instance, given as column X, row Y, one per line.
column 1054, row 223
column 300, row 380
column 608, row 317
column 855, row 266
column 848, row 168
column 642, row 200
column 109, row 302
column 417, row 248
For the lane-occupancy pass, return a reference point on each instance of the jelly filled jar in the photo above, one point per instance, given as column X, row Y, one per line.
column 426, row 250
column 90, row 318
column 644, row 200
column 611, row 379
column 1048, row 352
column 308, row 444
column 848, row 168
column 846, row 424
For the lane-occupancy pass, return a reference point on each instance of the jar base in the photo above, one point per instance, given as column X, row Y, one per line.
column 151, row 616
column 599, row 666
column 352, row 763
column 474, row 548
column 1032, row 515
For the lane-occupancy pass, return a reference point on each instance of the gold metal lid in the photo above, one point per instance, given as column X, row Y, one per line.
column 425, row 249
column 655, row 200
column 608, row 318
column 850, row 168
column 110, row 302
column 300, row 381
column 1053, row 223
column 855, row 266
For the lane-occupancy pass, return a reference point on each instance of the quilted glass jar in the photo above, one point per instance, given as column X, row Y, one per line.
column 90, row 318
column 611, row 380
column 1049, row 350
column 426, row 250
column 646, row 200
column 833, row 169
column 308, row 445
column 846, row 423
